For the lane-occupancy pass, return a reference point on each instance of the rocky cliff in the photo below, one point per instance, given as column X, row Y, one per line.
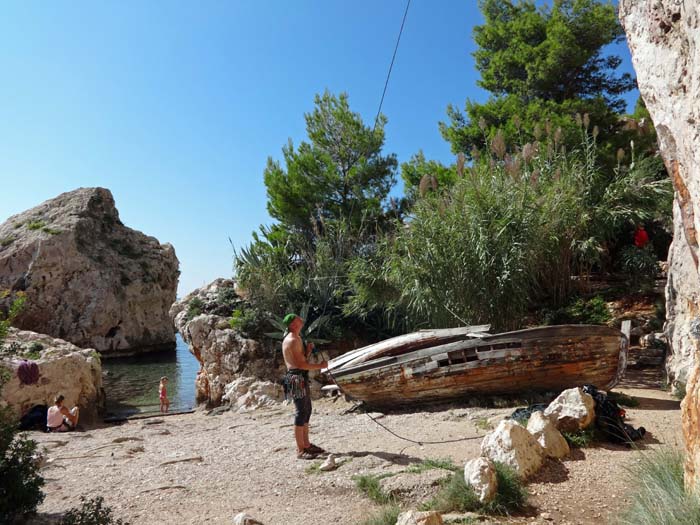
column 234, row 368
column 63, row 368
column 664, row 38
column 88, row 278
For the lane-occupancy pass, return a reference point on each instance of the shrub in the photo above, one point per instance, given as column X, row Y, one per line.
column 429, row 464
column 6, row 241
column 16, row 305
column 369, row 485
column 581, row 311
column 20, row 481
column 581, row 439
column 92, row 511
column 639, row 265
column 387, row 515
column 657, row 491
column 194, row 308
column 36, row 224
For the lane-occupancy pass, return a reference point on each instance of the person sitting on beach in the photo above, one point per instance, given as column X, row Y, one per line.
column 163, row 394
column 59, row 418
column 297, row 384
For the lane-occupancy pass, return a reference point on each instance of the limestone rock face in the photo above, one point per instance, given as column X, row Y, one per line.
column 88, row 278
column 513, row 445
column 245, row 370
column 572, row 410
column 63, row 369
column 664, row 38
column 480, row 474
column 547, row 435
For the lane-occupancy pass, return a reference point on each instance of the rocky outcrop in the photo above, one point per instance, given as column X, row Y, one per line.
column 664, row 38
column 231, row 364
column 63, row 368
column 88, row 278
column 572, row 410
column 414, row 517
column 512, row 444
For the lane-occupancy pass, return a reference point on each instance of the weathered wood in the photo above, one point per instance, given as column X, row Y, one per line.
column 405, row 343
column 539, row 359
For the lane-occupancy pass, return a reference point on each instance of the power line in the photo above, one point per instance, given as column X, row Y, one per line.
column 391, row 66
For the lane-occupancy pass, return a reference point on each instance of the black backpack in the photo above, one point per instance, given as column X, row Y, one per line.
column 609, row 419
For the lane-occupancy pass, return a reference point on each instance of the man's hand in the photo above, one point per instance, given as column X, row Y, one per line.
column 310, row 348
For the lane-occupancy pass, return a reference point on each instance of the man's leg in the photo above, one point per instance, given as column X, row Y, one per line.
column 307, row 443
column 299, row 437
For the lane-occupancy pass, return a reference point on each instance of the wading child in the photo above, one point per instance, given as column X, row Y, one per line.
column 163, row 394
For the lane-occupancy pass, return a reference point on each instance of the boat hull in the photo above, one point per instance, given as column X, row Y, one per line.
column 539, row 359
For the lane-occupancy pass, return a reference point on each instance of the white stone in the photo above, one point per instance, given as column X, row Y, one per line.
column 244, row 519
column 88, row 278
column 572, row 410
column 64, row 369
column 480, row 474
column 513, row 445
column 414, row 517
column 329, row 464
column 547, row 435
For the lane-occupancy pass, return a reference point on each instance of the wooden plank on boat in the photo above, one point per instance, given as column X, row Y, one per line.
column 404, row 343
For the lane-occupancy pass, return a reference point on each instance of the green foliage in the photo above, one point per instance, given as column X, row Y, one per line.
column 582, row 438
column 509, row 235
column 421, row 176
column 340, row 174
column 194, row 308
column 247, row 320
column 20, row 482
column 542, row 64
column 639, row 265
column 6, row 241
column 16, row 304
column 36, row 224
column 92, row 511
column 387, row 515
column 430, row 464
column 456, row 496
column 50, row 231
column 657, row 491
column 369, row 485
column 582, row 311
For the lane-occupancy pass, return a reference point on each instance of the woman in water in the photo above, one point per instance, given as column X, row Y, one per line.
column 163, row 394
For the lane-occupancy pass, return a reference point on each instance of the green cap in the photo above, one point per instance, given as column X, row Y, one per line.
column 288, row 319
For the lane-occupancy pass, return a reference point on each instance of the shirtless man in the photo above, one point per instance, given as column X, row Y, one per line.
column 297, row 384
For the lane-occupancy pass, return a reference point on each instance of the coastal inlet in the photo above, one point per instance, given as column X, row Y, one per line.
column 131, row 383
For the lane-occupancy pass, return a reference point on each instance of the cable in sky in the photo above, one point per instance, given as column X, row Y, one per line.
column 386, row 84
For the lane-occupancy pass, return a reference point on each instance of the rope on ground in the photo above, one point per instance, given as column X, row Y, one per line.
column 421, row 442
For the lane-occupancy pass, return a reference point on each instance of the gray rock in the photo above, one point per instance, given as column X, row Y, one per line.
column 414, row 517
column 88, row 278
column 244, row 519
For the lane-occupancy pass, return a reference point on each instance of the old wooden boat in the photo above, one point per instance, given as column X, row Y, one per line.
column 468, row 361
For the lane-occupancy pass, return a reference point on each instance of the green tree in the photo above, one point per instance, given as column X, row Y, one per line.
column 330, row 199
column 340, row 174
column 421, row 176
column 542, row 64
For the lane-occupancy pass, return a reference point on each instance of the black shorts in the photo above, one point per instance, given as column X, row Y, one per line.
column 303, row 407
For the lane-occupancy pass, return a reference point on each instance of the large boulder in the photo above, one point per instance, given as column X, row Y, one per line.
column 572, row 410
column 664, row 39
column 512, row 444
column 242, row 369
column 63, row 368
column 547, row 435
column 88, row 278
column 480, row 474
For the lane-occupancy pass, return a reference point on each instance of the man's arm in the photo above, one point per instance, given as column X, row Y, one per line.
column 296, row 356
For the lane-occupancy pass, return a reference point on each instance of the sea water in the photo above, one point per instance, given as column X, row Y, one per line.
column 131, row 383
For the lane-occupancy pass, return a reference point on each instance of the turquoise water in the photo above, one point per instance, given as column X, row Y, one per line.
column 131, row 383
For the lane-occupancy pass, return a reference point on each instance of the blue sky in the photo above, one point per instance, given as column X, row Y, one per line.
column 175, row 106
